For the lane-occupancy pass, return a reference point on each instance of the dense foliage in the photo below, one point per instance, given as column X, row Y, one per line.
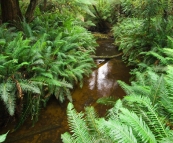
column 44, row 58
column 51, row 54
column 144, row 34
column 143, row 26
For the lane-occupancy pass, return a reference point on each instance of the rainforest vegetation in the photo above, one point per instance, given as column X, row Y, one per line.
column 46, row 48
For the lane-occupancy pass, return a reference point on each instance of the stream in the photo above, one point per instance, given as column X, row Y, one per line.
column 102, row 82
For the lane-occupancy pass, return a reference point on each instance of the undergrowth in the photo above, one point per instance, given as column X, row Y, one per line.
column 46, row 57
column 144, row 35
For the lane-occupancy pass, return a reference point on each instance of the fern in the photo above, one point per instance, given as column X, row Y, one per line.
column 158, row 56
column 7, row 95
column 67, row 138
column 33, row 69
column 30, row 87
column 107, row 100
column 168, row 52
column 10, row 104
column 117, row 131
column 113, row 113
column 4, row 90
column 138, row 125
column 26, row 111
column 126, row 87
column 156, row 123
column 91, row 117
column 77, row 125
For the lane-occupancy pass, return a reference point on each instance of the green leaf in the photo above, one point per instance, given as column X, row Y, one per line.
column 67, row 138
column 118, row 132
column 138, row 125
column 78, row 125
column 3, row 137
column 107, row 100
column 2, row 41
column 4, row 93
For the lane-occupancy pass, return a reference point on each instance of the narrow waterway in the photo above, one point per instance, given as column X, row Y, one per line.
column 102, row 82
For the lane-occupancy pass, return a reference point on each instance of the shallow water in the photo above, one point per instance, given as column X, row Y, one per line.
column 102, row 82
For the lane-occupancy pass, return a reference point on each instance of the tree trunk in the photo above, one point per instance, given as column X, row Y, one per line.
column 45, row 5
column 10, row 10
column 30, row 10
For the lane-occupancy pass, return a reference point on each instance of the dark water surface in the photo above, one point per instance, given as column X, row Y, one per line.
column 102, row 82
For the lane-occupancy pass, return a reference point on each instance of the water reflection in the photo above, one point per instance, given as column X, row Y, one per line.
column 102, row 82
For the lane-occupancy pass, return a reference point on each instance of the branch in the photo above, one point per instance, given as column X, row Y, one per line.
column 105, row 57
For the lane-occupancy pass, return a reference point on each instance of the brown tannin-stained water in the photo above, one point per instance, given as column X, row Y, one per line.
column 102, row 82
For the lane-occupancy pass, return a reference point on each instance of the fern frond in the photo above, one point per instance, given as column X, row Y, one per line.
column 59, row 94
column 77, row 125
column 68, row 94
column 113, row 113
column 67, row 138
column 51, row 81
column 168, row 52
column 158, row 87
column 107, row 100
column 137, row 124
column 68, row 47
column 4, row 91
column 158, row 128
column 19, row 66
column 125, row 87
column 140, row 78
column 156, row 55
column 27, row 104
column 91, row 117
column 139, row 89
column 167, row 140
column 71, row 76
column 116, row 131
column 46, row 80
column 29, row 86
column 47, row 74
column 10, row 104
column 2, row 42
